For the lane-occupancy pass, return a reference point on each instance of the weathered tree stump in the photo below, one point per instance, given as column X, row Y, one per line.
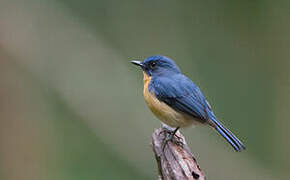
column 175, row 161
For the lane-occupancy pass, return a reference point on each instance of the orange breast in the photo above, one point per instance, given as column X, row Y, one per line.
column 162, row 111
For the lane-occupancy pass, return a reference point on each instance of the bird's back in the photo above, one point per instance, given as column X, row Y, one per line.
column 160, row 94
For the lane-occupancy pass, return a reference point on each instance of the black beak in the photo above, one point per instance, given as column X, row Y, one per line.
column 137, row 63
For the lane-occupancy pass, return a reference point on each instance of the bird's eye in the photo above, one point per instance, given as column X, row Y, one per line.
column 152, row 64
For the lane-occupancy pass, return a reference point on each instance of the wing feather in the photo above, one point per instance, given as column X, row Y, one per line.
column 181, row 94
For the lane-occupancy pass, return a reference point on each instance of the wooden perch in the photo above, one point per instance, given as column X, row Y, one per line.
column 175, row 161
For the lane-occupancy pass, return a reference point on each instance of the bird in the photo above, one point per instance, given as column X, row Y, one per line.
column 176, row 100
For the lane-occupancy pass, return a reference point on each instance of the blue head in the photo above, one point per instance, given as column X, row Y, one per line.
column 158, row 66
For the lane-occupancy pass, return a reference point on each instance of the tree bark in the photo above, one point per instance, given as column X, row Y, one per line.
column 175, row 161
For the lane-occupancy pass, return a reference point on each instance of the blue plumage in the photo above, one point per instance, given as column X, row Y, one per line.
column 168, row 85
column 180, row 93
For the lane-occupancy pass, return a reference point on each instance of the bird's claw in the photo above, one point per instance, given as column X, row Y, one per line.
column 173, row 137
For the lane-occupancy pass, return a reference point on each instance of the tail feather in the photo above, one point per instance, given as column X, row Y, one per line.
column 228, row 139
column 229, row 136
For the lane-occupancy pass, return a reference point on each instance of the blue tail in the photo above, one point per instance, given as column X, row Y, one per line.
column 229, row 136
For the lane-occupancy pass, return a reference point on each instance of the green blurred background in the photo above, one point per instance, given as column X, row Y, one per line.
column 71, row 104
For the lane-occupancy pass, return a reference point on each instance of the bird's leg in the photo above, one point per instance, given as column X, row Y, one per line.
column 174, row 134
column 169, row 136
column 170, row 130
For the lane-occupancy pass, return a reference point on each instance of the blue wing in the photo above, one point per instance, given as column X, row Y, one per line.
column 181, row 94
